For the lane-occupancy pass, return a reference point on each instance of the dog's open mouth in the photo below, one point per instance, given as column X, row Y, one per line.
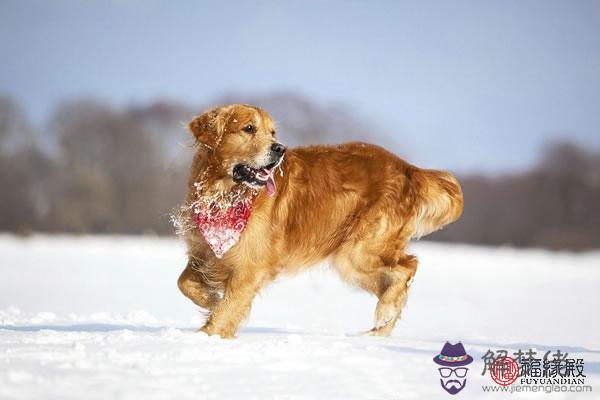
column 256, row 177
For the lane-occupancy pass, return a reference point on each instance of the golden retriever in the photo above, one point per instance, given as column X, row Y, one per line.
column 355, row 205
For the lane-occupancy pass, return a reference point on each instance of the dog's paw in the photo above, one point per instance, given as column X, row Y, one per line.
column 383, row 331
column 211, row 331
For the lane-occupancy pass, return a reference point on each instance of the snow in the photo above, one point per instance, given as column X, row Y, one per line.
column 102, row 318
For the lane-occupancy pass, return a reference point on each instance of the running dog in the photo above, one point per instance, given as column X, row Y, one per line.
column 256, row 209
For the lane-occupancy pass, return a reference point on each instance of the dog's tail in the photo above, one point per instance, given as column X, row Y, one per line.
column 439, row 200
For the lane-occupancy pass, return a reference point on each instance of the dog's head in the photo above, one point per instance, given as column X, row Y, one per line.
column 242, row 144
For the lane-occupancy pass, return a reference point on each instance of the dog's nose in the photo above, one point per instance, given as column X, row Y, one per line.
column 278, row 148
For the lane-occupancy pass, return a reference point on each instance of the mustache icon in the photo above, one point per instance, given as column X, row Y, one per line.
column 453, row 386
column 453, row 383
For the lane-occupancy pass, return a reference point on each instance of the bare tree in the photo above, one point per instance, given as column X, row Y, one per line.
column 23, row 172
column 109, row 171
column 16, row 131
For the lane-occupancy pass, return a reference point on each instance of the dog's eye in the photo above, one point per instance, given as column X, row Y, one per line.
column 249, row 128
column 273, row 132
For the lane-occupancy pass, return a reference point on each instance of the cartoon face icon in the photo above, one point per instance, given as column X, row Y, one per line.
column 453, row 373
column 453, row 380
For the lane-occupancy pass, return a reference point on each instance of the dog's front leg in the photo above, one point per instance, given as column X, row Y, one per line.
column 193, row 284
column 242, row 286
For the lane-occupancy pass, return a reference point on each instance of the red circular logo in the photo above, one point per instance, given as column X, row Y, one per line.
column 504, row 371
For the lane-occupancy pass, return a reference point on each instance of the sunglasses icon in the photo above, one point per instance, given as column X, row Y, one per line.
column 459, row 372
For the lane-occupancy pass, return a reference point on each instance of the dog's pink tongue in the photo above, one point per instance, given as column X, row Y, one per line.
column 271, row 186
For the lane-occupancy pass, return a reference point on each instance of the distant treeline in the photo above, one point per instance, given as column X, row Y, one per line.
column 101, row 169
column 555, row 205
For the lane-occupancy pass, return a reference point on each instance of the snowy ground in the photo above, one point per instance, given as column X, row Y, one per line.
column 101, row 318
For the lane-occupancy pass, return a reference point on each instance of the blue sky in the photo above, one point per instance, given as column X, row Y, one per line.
column 471, row 86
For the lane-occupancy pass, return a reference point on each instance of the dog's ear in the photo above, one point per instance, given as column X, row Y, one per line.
column 208, row 127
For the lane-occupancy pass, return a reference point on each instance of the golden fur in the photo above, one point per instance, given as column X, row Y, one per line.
column 356, row 205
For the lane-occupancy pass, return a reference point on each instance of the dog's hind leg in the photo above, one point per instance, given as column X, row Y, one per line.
column 388, row 281
column 394, row 295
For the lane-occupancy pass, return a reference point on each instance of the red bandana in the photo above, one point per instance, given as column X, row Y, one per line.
column 222, row 227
